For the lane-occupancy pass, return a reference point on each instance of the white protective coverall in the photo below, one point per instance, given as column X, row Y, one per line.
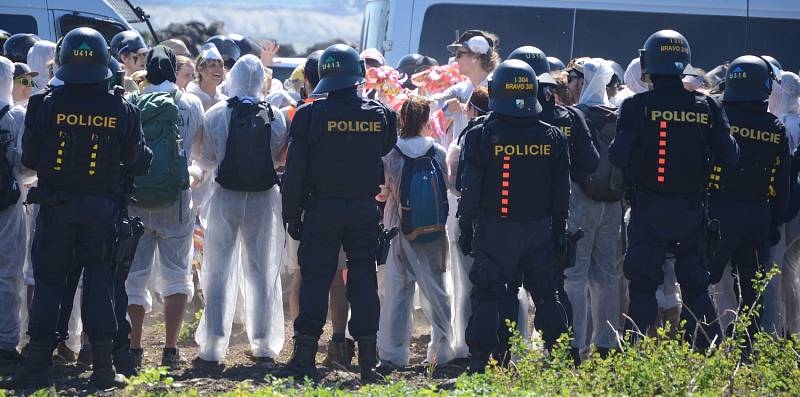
column 411, row 263
column 591, row 283
column 782, row 296
column 168, row 229
column 12, row 219
column 633, row 83
column 42, row 53
column 244, row 240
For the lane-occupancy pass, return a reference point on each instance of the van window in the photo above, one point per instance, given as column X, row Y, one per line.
column 108, row 28
column 15, row 23
column 550, row 29
column 714, row 39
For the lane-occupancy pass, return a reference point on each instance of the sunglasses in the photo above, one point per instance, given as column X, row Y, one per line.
column 26, row 81
column 572, row 77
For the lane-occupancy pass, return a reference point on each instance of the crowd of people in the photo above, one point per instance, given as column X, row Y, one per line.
column 612, row 201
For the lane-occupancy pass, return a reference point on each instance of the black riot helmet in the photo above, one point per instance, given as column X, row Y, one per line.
column 556, row 64
column 246, row 45
column 749, row 78
column 513, row 89
column 126, row 41
column 117, row 73
column 83, row 57
column 340, row 67
column 311, row 68
column 17, row 46
column 666, row 52
column 408, row 64
column 774, row 62
column 4, row 35
column 537, row 60
column 412, row 64
column 227, row 48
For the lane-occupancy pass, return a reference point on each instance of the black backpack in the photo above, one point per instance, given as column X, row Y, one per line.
column 9, row 189
column 247, row 165
column 606, row 182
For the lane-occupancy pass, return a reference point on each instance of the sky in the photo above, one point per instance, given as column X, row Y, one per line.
column 298, row 22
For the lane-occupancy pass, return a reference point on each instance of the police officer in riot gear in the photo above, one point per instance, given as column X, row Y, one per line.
column 664, row 143
column 749, row 200
column 79, row 138
column 515, row 197
column 582, row 152
column 333, row 173
column 583, row 155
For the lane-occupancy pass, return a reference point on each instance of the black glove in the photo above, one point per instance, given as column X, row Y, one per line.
column 558, row 230
column 774, row 235
column 466, row 236
column 295, row 229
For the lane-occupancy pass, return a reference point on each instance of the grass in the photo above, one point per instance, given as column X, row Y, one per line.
column 663, row 365
column 190, row 327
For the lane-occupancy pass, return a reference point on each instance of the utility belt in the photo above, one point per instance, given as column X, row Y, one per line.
column 641, row 196
column 730, row 196
column 312, row 198
column 495, row 214
column 47, row 197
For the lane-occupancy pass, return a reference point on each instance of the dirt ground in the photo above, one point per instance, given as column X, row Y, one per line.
column 71, row 379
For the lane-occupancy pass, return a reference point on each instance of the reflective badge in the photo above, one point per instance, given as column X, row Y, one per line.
column 680, row 66
column 84, row 50
column 520, row 103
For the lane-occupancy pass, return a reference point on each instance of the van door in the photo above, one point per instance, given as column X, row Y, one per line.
column 25, row 20
column 68, row 20
column 373, row 27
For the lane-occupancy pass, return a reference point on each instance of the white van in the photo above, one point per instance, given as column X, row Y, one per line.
column 50, row 19
column 716, row 29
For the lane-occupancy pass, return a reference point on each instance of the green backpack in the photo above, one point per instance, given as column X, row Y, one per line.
column 169, row 173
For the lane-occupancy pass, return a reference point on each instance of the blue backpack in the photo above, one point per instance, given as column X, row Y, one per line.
column 423, row 198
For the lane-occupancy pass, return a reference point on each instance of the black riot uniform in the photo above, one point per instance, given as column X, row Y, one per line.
column 333, row 173
column 584, row 160
column 515, row 194
column 664, row 142
column 583, row 155
column 749, row 199
column 78, row 138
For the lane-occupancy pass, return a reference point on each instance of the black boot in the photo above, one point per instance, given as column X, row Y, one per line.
column 302, row 363
column 478, row 362
column 103, row 374
column 124, row 361
column 339, row 354
column 575, row 353
column 35, row 372
column 368, row 359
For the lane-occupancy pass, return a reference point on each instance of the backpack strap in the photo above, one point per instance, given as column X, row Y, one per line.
column 4, row 111
column 269, row 112
column 401, row 153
